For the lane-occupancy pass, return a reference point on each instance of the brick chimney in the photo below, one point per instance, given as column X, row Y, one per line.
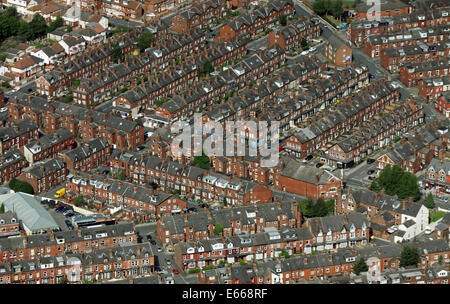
column 404, row 203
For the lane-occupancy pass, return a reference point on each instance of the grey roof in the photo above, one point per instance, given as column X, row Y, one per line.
column 30, row 211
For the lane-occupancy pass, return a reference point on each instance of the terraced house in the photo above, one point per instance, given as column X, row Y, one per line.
column 43, row 176
column 138, row 200
column 49, row 145
column 317, row 131
column 251, row 219
column 369, row 137
column 87, row 156
column 129, row 261
column 83, row 240
column 15, row 135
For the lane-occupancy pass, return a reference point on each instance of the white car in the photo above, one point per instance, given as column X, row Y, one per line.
column 3, row 110
column 428, row 230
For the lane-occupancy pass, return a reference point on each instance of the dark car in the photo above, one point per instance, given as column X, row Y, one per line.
column 59, row 209
column 153, row 242
column 319, row 165
column 140, row 148
column 370, row 160
column 309, row 157
column 370, row 172
column 69, row 224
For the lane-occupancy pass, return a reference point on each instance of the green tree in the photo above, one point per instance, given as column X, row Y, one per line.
column 397, row 181
column 202, row 162
column 429, row 201
column 360, row 266
column 375, row 186
column 283, row 20
column 304, row 44
column 79, row 201
column 62, row 281
column 409, row 257
column 441, row 260
column 306, row 207
column 320, row 208
column 145, row 40
column 242, row 262
column 330, row 206
column 207, row 68
column 285, row 254
column 116, row 52
column 55, row 24
column 76, row 83
column 222, row 263
column 37, row 27
column 218, row 228
column 69, row 28
column 337, row 9
column 2, row 209
column 20, row 186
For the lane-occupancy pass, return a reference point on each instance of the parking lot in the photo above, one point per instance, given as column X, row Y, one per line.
column 59, row 218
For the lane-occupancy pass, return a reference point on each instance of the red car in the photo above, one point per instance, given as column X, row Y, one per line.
column 107, row 164
column 176, row 271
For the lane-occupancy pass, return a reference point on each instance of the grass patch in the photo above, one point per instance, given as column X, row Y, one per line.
column 436, row 216
column 332, row 20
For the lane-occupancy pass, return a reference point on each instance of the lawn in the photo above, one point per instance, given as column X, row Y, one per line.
column 332, row 20
column 436, row 215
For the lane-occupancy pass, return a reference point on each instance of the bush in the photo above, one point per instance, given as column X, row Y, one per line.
column 195, row 270
column 209, row 267
column 218, row 228
column 360, row 266
column 21, row 186
column 410, row 257
column 79, row 201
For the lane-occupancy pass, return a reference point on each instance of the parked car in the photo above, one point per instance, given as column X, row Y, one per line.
column 159, row 249
column 309, row 157
column 153, row 242
column 319, row 165
column 176, row 271
column 168, row 261
column 69, row 224
column 370, row 160
column 371, row 171
column 428, row 230
column 68, row 213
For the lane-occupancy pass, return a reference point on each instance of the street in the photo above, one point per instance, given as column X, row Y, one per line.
column 146, row 233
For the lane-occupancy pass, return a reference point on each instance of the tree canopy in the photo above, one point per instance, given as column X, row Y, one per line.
column 326, row 7
column 397, row 181
column 429, row 201
column 55, row 24
column 145, row 40
column 20, row 186
column 283, row 20
column 116, row 52
column 218, row 228
column 318, row 208
column 409, row 257
column 360, row 266
column 202, row 162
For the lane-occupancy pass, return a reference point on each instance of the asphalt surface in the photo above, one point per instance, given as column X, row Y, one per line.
column 146, row 233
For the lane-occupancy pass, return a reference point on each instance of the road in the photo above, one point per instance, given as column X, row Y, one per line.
column 147, row 232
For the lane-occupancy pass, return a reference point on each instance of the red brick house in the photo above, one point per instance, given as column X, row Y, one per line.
column 45, row 175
